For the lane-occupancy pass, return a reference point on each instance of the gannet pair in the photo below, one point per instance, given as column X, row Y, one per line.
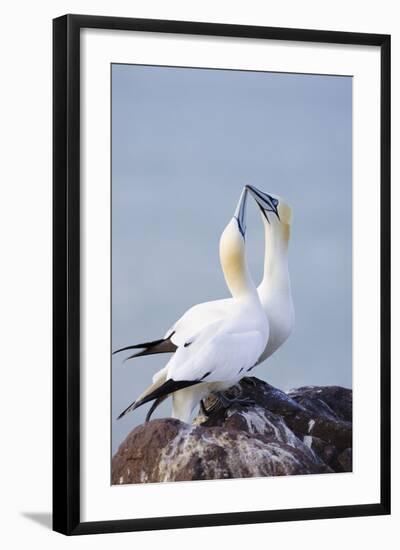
column 217, row 343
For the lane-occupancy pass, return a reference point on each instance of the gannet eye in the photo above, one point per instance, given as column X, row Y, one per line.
column 275, row 202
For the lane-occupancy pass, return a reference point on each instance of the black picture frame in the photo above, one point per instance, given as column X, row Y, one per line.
column 66, row 273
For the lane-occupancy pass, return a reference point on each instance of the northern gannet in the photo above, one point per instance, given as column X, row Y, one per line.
column 217, row 355
column 275, row 289
column 202, row 314
column 274, row 292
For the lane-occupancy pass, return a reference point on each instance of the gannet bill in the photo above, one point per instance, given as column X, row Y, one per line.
column 221, row 353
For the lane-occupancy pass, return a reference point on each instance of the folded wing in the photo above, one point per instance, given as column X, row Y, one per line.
column 215, row 355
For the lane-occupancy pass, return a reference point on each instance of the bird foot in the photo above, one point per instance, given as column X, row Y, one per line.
column 204, row 411
column 228, row 401
column 250, row 381
column 222, row 401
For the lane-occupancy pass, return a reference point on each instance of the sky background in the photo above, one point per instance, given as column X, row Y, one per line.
column 184, row 142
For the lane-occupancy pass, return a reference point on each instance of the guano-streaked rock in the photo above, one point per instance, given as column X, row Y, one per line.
column 304, row 431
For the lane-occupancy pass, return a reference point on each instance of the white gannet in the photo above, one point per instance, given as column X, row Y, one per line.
column 274, row 292
column 275, row 289
column 202, row 314
column 220, row 353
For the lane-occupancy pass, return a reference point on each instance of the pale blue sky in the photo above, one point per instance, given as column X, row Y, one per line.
column 184, row 142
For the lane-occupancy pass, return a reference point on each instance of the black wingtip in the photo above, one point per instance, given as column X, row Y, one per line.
column 138, row 346
column 170, row 386
column 163, row 345
column 131, row 407
column 154, row 406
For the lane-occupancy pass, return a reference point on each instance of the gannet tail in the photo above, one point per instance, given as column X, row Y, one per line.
column 165, row 345
column 157, row 391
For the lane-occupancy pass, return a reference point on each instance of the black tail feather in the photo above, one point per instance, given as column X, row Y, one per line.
column 156, row 403
column 139, row 346
column 125, row 411
column 150, row 348
column 164, row 390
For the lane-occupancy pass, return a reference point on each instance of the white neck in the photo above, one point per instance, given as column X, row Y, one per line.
column 234, row 264
column 276, row 269
column 239, row 280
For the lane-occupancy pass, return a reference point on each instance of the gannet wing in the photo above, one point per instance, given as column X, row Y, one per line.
column 192, row 320
column 211, row 355
column 158, row 380
column 216, row 355
column 196, row 318
column 158, row 392
column 163, row 345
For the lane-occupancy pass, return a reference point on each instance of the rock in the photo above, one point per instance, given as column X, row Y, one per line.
column 304, row 431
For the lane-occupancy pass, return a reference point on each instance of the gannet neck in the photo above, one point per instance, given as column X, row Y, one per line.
column 233, row 263
column 276, row 268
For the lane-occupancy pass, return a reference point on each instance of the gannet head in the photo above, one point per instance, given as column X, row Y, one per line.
column 232, row 248
column 272, row 204
column 240, row 213
column 233, row 236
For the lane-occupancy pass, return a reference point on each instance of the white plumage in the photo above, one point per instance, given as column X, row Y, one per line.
column 274, row 290
column 222, row 351
column 205, row 335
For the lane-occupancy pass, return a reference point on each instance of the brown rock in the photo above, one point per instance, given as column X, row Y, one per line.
column 303, row 432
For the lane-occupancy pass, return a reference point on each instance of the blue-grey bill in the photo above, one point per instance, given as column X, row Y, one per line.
column 240, row 212
column 264, row 201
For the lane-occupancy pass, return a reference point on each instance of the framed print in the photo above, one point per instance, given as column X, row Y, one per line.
column 221, row 274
